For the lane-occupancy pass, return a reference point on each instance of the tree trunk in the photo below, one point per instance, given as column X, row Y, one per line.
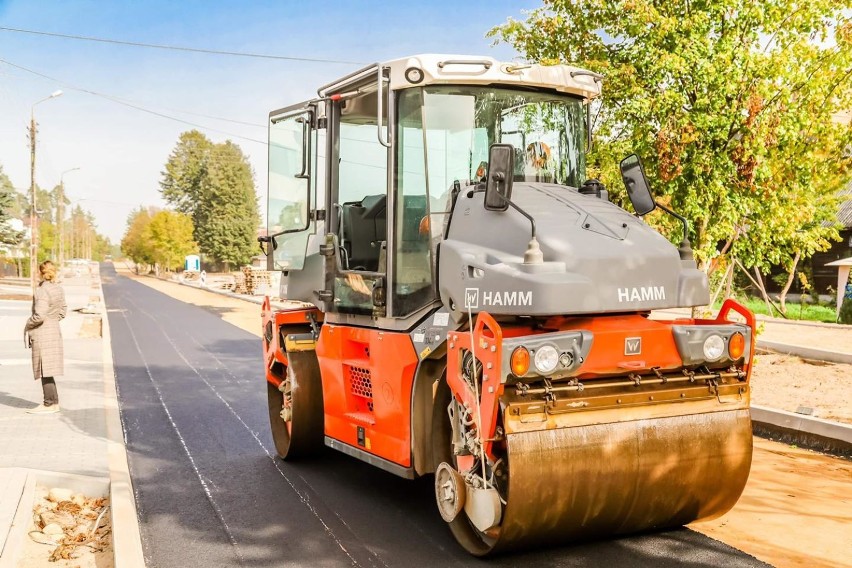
column 782, row 299
column 762, row 289
column 729, row 279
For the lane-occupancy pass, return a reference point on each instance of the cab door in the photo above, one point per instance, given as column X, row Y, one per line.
column 296, row 189
column 367, row 368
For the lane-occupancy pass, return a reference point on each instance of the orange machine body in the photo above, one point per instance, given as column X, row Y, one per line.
column 368, row 374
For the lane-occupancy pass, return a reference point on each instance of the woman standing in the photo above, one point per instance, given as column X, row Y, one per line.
column 43, row 335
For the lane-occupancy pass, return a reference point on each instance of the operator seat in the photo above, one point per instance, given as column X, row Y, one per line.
column 363, row 226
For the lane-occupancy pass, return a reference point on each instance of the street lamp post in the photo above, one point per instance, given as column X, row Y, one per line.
column 33, row 228
column 61, row 216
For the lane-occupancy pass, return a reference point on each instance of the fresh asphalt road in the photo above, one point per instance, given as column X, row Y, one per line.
column 211, row 492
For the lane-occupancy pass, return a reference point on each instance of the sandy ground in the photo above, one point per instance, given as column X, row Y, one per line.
column 796, row 509
column 785, row 382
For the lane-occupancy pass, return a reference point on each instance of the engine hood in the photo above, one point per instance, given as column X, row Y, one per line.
column 598, row 258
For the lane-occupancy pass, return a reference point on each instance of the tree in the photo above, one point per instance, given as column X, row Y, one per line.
column 168, row 236
column 133, row 243
column 183, row 180
column 8, row 236
column 730, row 104
column 229, row 220
column 214, row 185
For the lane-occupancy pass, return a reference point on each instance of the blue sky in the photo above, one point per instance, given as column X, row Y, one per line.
column 121, row 151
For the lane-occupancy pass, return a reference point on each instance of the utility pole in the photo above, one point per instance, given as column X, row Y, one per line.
column 33, row 229
column 61, row 216
column 33, row 218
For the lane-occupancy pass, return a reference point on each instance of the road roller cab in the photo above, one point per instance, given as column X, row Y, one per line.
column 457, row 299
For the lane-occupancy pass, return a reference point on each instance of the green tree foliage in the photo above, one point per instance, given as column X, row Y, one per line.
column 729, row 103
column 214, row 185
column 846, row 312
column 168, row 236
column 8, row 236
column 133, row 243
column 158, row 238
column 183, row 180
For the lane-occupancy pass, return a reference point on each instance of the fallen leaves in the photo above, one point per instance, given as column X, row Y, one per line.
column 74, row 524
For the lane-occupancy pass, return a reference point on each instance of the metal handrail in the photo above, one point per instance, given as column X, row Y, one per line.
column 484, row 62
column 386, row 139
column 346, row 79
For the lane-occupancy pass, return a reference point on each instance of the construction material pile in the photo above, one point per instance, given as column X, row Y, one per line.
column 240, row 283
column 252, row 280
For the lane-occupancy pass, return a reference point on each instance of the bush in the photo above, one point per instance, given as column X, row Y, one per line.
column 846, row 312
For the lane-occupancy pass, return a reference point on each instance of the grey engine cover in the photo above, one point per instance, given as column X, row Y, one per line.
column 598, row 258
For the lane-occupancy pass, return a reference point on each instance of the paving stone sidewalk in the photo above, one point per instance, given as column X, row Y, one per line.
column 74, row 441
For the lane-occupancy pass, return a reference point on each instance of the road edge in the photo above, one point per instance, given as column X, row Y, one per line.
column 806, row 352
column 825, row 436
column 126, row 538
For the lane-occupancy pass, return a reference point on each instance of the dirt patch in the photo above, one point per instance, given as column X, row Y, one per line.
column 68, row 531
column 240, row 313
column 796, row 509
column 786, row 382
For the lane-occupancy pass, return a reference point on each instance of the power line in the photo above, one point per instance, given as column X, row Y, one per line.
column 179, row 48
column 129, row 104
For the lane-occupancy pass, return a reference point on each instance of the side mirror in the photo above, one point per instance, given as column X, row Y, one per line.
column 636, row 183
column 499, row 177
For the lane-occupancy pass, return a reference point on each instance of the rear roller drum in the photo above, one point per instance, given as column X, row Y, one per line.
column 295, row 408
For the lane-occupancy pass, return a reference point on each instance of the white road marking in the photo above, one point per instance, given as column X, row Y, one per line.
column 303, row 497
column 201, row 480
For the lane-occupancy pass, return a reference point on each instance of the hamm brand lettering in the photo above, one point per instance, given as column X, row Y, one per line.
column 642, row 294
column 490, row 298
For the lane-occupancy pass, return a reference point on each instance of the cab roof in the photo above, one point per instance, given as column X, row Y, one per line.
column 447, row 69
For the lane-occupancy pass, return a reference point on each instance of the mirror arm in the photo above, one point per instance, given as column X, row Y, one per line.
column 685, row 248
column 522, row 212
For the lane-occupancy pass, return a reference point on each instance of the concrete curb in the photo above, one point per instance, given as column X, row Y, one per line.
column 806, row 352
column 806, row 323
column 127, row 541
column 772, row 320
column 253, row 299
column 804, row 431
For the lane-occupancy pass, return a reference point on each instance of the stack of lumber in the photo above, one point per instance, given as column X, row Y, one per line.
column 240, row 283
column 256, row 279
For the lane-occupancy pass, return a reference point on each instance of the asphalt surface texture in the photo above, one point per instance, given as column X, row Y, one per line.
column 210, row 490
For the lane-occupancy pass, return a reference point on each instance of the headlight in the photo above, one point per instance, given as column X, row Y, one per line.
column 714, row 346
column 546, row 359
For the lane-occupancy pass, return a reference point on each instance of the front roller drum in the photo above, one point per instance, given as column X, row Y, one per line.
column 296, row 408
column 591, row 481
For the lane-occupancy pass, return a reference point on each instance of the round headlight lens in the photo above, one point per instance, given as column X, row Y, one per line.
column 546, row 359
column 714, row 346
